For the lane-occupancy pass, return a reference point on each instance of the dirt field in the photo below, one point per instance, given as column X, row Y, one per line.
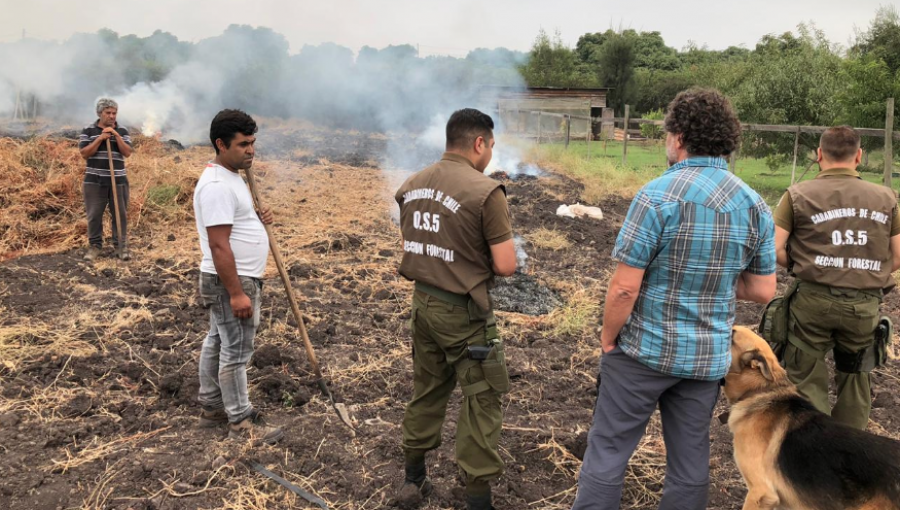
column 98, row 362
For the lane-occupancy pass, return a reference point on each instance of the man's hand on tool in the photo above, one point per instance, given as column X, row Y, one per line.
column 106, row 134
column 242, row 306
column 266, row 216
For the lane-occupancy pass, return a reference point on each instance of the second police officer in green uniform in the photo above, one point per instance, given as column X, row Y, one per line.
column 456, row 236
column 840, row 237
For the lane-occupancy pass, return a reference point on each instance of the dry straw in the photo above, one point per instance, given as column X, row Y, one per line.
column 41, row 204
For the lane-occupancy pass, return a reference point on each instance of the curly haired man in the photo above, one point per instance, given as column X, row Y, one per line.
column 694, row 240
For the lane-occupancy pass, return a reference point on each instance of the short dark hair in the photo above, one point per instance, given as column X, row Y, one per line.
column 839, row 143
column 227, row 124
column 706, row 122
column 466, row 125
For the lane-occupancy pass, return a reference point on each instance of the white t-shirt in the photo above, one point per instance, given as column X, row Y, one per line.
column 222, row 198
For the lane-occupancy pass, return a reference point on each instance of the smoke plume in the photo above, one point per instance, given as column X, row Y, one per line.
column 173, row 87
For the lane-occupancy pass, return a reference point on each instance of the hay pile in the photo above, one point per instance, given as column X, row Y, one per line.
column 41, row 205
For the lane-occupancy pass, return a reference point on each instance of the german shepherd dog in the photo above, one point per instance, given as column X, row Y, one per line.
column 791, row 455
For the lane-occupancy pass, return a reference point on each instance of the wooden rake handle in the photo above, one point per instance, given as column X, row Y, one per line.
column 276, row 254
column 115, row 191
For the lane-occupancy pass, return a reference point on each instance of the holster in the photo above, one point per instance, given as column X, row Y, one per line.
column 884, row 337
column 870, row 358
column 493, row 364
column 773, row 324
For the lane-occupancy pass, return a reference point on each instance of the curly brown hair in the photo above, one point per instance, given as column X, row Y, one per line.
column 706, row 122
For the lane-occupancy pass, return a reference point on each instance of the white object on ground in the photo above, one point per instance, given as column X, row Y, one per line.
column 578, row 210
column 564, row 211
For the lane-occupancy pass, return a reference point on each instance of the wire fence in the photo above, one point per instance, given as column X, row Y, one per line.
column 544, row 126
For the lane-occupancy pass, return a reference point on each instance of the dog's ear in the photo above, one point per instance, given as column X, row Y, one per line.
column 757, row 361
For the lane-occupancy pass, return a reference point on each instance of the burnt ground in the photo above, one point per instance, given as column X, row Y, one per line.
column 99, row 365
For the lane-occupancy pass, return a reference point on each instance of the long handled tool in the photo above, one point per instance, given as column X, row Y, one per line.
column 340, row 409
column 112, row 174
column 289, row 486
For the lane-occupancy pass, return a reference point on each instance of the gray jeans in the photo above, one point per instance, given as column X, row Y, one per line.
column 227, row 348
column 629, row 392
column 98, row 198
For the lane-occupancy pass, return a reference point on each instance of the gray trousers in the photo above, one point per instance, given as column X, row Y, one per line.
column 98, row 198
column 629, row 393
column 227, row 348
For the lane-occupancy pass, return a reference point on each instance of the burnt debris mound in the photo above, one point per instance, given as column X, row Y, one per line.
column 521, row 293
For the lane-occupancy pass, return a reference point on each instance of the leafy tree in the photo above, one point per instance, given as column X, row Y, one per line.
column 787, row 80
column 552, row 64
column 588, row 44
column 654, row 90
column 616, row 69
column 497, row 57
column 652, row 131
column 252, row 61
column 882, row 40
column 651, row 51
column 869, row 82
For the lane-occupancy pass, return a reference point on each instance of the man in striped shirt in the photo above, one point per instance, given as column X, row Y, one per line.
column 98, row 195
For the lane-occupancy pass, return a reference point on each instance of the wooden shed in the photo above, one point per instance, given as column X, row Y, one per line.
column 515, row 106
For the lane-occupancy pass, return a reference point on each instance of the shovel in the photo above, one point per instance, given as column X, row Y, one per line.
column 339, row 408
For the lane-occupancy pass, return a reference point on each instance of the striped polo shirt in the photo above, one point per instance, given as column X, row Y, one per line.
column 97, row 171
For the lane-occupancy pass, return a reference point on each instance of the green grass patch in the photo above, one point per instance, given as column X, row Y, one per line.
column 577, row 316
column 600, row 176
column 599, row 166
column 163, row 195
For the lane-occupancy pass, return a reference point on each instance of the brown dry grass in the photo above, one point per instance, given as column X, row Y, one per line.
column 42, row 209
column 577, row 316
column 33, row 338
column 99, row 450
column 549, row 239
column 316, row 206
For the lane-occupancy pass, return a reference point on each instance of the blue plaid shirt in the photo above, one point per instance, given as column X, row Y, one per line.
column 693, row 230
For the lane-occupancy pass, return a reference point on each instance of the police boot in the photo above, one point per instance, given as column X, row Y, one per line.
column 479, row 502
column 416, row 486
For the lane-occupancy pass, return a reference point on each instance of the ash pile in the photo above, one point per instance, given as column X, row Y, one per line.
column 521, row 292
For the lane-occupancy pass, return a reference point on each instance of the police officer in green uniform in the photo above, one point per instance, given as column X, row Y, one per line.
column 456, row 236
column 840, row 237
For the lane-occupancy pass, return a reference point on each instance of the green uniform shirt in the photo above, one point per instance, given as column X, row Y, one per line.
column 784, row 212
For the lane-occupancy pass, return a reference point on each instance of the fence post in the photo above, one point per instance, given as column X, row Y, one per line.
column 540, row 128
column 796, row 150
column 568, row 129
column 733, row 158
column 888, row 141
column 16, row 110
column 590, row 129
column 625, row 137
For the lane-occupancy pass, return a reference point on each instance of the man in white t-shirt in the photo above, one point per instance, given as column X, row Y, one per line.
column 235, row 248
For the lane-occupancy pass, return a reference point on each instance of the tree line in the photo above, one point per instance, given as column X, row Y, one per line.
column 795, row 78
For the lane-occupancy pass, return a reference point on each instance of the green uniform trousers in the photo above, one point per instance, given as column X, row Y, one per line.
column 823, row 318
column 441, row 333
